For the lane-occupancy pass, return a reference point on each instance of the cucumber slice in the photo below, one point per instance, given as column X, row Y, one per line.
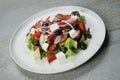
column 37, row 55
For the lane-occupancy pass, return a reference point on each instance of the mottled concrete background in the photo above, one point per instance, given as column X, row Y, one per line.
column 105, row 65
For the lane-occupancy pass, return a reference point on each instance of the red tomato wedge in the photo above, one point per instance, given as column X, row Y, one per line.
column 63, row 25
column 64, row 38
column 82, row 26
column 51, row 37
column 52, row 47
column 51, row 57
column 37, row 34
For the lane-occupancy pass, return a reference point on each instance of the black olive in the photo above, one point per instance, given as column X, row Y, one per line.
column 36, row 42
column 76, row 13
column 83, row 46
column 58, row 32
column 27, row 34
column 45, row 24
column 63, row 49
column 75, row 25
column 87, row 33
column 46, row 41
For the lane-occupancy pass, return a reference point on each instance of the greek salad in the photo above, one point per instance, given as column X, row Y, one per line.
column 61, row 37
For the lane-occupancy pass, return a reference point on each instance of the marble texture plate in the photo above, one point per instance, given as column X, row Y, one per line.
column 24, row 58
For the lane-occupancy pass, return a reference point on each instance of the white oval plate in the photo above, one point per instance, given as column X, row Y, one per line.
column 24, row 58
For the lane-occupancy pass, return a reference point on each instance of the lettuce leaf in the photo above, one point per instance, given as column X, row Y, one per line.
column 69, row 53
column 43, row 54
column 86, row 42
column 29, row 42
column 71, row 45
column 82, row 19
column 82, row 38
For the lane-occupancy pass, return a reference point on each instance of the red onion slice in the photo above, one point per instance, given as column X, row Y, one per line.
column 41, row 39
column 68, row 24
column 57, row 40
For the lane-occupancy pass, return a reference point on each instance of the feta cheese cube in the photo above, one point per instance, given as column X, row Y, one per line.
column 45, row 46
column 60, row 57
column 32, row 31
column 54, row 27
column 73, row 33
column 42, row 39
column 74, row 17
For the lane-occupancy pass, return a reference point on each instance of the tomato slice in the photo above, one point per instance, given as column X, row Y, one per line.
column 63, row 25
column 64, row 37
column 52, row 47
column 37, row 34
column 51, row 57
column 82, row 26
column 51, row 37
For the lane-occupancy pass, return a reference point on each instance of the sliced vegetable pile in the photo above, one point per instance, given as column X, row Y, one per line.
column 58, row 38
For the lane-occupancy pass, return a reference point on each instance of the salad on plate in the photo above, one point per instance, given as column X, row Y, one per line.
column 58, row 38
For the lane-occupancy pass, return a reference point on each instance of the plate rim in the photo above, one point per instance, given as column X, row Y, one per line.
column 42, row 11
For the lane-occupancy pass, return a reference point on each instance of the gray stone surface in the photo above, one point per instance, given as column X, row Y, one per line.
column 105, row 65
